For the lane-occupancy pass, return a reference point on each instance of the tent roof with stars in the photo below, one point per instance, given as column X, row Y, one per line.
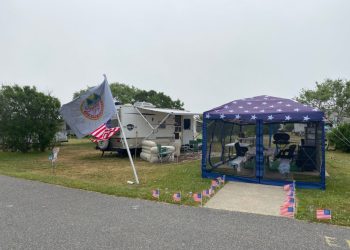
column 267, row 108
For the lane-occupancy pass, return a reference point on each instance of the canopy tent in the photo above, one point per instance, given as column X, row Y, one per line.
column 267, row 109
column 252, row 123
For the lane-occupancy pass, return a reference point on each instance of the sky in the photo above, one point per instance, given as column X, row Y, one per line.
column 203, row 52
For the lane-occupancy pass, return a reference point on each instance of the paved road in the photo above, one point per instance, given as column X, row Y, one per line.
column 35, row 215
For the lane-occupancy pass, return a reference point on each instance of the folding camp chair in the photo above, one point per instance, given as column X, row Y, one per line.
column 200, row 141
column 194, row 148
column 286, row 153
column 162, row 153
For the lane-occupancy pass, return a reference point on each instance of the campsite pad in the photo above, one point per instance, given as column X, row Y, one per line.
column 250, row 198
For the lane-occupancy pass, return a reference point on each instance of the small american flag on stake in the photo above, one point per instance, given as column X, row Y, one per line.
column 290, row 200
column 287, row 211
column 206, row 192
column 323, row 214
column 214, row 183
column 177, row 197
column 290, row 194
column 155, row 193
column 287, row 204
column 197, row 197
column 288, row 187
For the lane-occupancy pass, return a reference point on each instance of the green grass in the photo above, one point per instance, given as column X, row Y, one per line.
column 80, row 166
column 336, row 197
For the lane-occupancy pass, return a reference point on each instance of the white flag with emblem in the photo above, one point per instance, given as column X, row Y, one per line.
column 90, row 110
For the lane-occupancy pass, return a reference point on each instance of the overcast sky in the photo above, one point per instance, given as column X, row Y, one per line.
column 204, row 52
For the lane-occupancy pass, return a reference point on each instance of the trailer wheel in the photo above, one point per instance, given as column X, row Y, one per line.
column 103, row 145
column 122, row 152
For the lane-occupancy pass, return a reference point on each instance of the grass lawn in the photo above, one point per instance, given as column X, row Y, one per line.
column 336, row 197
column 80, row 166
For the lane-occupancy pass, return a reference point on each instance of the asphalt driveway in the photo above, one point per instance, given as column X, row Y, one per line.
column 35, row 215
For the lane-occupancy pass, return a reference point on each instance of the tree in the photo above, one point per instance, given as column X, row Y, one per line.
column 159, row 99
column 126, row 94
column 330, row 96
column 28, row 118
column 340, row 137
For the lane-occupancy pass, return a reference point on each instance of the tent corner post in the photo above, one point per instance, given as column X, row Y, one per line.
column 323, row 165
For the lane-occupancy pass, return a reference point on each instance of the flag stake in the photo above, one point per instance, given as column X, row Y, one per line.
column 127, row 149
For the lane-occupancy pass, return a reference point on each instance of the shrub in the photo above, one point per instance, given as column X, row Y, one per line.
column 28, row 119
column 340, row 137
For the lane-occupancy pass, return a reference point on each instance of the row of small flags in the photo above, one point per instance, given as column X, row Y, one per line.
column 197, row 197
column 288, row 209
column 289, row 206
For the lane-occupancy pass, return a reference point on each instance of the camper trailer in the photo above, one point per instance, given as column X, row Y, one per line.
column 144, row 121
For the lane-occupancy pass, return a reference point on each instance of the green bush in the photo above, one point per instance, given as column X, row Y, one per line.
column 340, row 137
column 28, row 119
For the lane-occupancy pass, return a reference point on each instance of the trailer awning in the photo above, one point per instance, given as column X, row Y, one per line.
column 169, row 111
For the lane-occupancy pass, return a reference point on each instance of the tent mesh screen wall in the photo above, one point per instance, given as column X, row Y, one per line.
column 263, row 150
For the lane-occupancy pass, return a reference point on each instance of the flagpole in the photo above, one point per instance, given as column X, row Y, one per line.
column 127, row 148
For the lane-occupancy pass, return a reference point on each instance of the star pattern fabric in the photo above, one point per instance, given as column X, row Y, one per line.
column 266, row 108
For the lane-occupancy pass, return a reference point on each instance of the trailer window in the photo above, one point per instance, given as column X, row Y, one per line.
column 187, row 124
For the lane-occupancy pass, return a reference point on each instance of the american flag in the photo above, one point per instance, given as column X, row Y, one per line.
column 323, row 214
column 290, row 194
column 290, row 200
column 197, row 197
column 287, row 211
column 206, row 192
column 214, row 183
column 177, row 197
column 288, row 187
column 287, row 204
column 155, row 193
column 212, row 190
column 103, row 133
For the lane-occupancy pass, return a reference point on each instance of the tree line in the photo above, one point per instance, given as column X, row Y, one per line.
column 130, row 94
column 330, row 96
column 30, row 119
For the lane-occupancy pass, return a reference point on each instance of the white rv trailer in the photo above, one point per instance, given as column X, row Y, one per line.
column 144, row 121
